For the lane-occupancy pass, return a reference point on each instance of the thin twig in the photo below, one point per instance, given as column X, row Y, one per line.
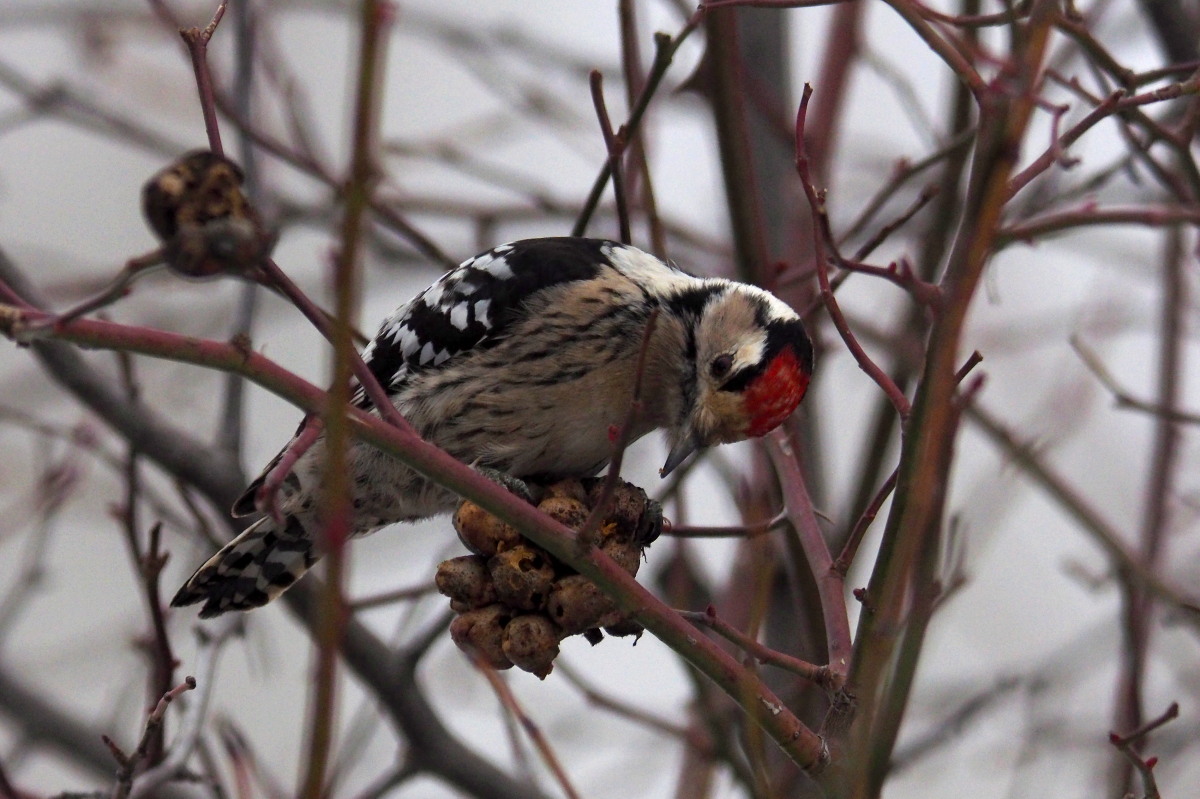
column 514, row 709
column 197, row 40
column 1089, row 215
column 311, row 429
column 211, row 641
column 854, row 539
column 614, row 144
column 665, row 47
column 127, row 764
column 817, row 206
column 134, row 268
column 1126, row 745
column 621, row 437
column 1123, row 398
column 626, row 710
column 389, row 597
column 732, row 531
column 818, row 675
column 923, row 198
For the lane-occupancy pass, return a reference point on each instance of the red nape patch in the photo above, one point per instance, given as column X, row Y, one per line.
column 775, row 394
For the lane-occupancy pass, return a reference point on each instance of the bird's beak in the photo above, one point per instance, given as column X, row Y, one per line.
column 679, row 453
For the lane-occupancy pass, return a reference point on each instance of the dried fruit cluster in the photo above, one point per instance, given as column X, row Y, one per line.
column 206, row 223
column 516, row 602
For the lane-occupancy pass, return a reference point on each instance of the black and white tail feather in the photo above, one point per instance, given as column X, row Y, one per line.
column 252, row 569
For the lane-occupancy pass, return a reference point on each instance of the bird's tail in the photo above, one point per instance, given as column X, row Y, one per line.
column 252, row 569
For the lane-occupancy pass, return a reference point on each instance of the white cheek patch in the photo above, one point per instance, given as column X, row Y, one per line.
column 750, row 352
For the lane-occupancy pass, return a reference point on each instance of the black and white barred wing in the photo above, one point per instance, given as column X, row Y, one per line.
column 474, row 305
column 469, row 307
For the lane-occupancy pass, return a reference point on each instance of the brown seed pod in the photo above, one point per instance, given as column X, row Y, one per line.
column 631, row 514
column 627, row 554
column 576, row 604
column 481, row 632
column 522, row 576
column 531, row 643
column 568, row 511
column 569, row 489
column 206, row 223
column 481, row 532
column 466, row 581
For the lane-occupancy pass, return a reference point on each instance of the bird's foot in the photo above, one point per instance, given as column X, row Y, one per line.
column 514, row 485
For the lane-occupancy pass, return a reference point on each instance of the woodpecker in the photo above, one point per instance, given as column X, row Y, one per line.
column 522, row 361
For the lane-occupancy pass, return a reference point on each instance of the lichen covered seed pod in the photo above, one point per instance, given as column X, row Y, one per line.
column 522, row 576
column 624, row 552
column 481, row 532
column 207, row 225
column 466, row 581
column 481, row 632
column 569, row 512
column 630, row 514
column 569, row 489
column 531, row 643
column 576, row 604
column 533, row 610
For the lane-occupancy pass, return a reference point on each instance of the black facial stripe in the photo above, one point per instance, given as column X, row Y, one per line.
column 690, row 302
column 780, row 334
column 743, row 377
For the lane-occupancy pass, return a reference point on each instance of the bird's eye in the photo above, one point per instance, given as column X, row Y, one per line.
column 721, row 365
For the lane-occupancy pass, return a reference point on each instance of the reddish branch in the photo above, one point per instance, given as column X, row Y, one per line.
column 822, row 676
column 819, row 216
column 197, row 40
column 731, row 531
column 127, row 764
column 1128, row 746
column 264, row 498
column 830, row 584
column 614, row 144
column 511, row 706
column 850, row 549
column 665, row 47
column 621, row 440
column 800, row 743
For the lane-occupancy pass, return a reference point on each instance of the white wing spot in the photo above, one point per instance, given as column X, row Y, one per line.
column 458, row 316
column 481, row 312
column 441, row 357
column 433, row 294
column 498, row 268
column 407, row 339
column 427, row 352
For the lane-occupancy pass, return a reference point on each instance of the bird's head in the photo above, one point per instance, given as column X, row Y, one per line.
column 752, row 362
